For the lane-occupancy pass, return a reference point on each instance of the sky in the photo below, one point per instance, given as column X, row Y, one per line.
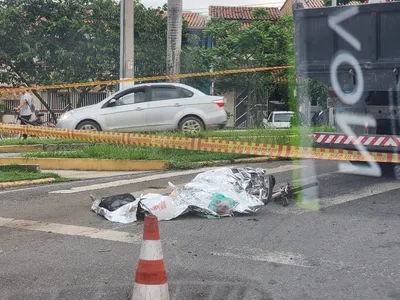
column 202, row 6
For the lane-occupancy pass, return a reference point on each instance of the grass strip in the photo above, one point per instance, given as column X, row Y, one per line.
column 12, row 173
column 122, row 152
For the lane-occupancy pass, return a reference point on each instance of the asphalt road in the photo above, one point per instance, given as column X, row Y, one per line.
column 53, row 247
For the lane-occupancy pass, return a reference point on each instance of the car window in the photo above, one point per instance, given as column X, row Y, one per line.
column 164, row 93
column 138, row 96
column 184, row 93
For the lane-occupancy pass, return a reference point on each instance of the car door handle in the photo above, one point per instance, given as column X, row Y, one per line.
column 139, row 108
column 177, row 104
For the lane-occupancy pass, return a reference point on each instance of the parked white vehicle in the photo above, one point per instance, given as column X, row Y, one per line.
column 150, row 107
column 278, row 120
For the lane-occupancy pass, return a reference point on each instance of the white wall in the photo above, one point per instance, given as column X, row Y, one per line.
column 8, row 119
column 230, row 108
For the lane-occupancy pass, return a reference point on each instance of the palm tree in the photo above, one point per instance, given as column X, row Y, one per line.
column 174, row 37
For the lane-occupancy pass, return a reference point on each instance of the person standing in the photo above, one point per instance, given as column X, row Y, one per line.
column 25, row 108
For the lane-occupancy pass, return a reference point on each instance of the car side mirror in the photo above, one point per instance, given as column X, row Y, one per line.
column 112, row 103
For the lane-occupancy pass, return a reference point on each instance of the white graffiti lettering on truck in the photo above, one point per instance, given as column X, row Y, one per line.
column 344, row 120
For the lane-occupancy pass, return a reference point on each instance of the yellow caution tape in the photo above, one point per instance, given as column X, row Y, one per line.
column 199, row 144
column 153, row 78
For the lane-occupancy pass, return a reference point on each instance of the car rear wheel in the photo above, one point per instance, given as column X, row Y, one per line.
column 88, row 125
column 191, row 125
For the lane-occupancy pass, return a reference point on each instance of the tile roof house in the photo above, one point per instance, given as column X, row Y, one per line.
column 196, row 24
column 195, row 20
column 241, row 13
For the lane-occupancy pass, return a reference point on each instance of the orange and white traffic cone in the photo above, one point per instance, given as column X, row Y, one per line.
column 151, row 276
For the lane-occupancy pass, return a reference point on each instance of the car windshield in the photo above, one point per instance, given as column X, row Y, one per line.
column 285, row 117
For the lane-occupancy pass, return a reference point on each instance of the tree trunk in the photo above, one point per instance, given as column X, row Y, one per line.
column 174, row 37
column 82, row 95
column 53, row 115
column 69, row 98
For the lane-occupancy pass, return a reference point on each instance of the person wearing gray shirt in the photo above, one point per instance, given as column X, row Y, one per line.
column 25, row 108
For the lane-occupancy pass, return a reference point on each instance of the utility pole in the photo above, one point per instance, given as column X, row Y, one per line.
column 126, row 43
column 174, row 37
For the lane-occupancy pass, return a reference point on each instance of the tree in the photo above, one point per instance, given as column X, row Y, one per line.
column 195, row 59
column 174, row 37
column 76, row 41
column 150, row 40
column 59, row 42
column 261, row 44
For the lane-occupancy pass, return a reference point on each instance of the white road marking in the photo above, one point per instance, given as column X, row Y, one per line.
column 20, row 190
column 357, row 194
column 128, row 181
column 283, row 168
column 351, row 195
column 89, row 232
column 46, row 185
column 294, row 259
column 282, row 258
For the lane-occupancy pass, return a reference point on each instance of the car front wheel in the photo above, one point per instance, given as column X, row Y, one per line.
column 191, row 125
column 88, row 125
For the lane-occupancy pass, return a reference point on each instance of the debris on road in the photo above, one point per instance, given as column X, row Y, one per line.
column 119, row 208
column 287, row 191
column 212, row 194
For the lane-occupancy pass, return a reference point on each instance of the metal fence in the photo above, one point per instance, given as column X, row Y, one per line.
column 9, row 104
column 59, row 100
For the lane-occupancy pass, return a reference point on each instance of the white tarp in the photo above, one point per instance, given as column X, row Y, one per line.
column 221, row 192
column 163, row 207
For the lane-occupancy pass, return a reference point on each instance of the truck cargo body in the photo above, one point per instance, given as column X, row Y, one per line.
column 369, row 35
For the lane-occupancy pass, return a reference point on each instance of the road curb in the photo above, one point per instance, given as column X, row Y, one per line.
column 4, row 185
column 88, row 164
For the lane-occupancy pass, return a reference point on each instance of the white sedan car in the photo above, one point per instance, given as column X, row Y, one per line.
column 150, row 107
